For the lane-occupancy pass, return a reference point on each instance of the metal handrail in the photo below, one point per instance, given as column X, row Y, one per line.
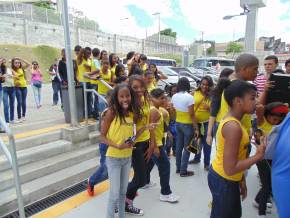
column 12, row 158
column 96, row 93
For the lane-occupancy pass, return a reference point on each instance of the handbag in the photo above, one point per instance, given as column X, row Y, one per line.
column 37, row 84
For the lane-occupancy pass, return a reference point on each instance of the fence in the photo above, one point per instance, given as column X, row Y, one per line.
column 31, row 25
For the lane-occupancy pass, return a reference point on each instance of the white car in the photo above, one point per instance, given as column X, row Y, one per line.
column 173, row 78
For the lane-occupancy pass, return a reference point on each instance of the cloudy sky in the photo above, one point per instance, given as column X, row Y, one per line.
column 189, row 18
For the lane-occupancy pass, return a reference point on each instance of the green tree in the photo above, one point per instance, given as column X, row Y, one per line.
column 168, row 32
column 210, row 51
column 44, row 4
column 234, row 48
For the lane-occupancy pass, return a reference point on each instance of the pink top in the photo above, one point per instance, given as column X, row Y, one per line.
column 35, row 76
column 259, row 82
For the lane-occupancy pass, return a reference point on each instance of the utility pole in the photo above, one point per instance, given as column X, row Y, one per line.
column 159, row 37
column 69, row 66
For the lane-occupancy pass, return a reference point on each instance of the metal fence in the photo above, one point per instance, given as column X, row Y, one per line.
column 39, row 14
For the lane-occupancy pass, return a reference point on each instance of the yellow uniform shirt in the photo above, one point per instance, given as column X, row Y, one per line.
column 266, row 127
column 119, row 132
column 113, row 70
column 202, row 113
column 21, row 81
column 145, row 136
column 82, row 70
column 94, row 68
column 151, row 86
column 102, row 89
column 218, row 162
column 224, row 109
column 159, row 130
column 166, row 118
column 144, row 67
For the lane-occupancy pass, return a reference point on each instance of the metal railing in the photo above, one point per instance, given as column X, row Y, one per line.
column 95, row 93
column 10, row 153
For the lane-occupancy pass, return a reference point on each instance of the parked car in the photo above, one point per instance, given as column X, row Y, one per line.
column 201, row 73
column 173, row 76
column 213, row 62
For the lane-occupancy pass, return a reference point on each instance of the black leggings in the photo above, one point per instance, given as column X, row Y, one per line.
column 139, row 166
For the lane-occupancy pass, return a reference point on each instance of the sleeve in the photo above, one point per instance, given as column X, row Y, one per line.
column 190, row 101
column 215, row 105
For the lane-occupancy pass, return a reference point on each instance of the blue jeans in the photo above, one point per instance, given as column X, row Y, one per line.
column 94, row 101
column 21, row 94
column 56, row 87
column 204, row 146
column 102, row 172
column 118, row 170
column 37, row 95
column 184, row 133
column 101, row 104
column 163, row 165
column 8, row 102
column 226, row 196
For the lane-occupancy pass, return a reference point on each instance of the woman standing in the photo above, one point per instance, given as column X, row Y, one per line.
column 186, row 125
column 8, row 92
column 113, row 60
column 202, row 112
column 36, row 83
column 18, row 66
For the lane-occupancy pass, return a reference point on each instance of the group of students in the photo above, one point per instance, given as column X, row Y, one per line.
column 140, row 120
column 13, row 84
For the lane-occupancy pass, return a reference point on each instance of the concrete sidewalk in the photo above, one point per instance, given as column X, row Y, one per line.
column 194, row 198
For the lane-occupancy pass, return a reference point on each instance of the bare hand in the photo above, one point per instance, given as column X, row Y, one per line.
column 148, row 153
column 157, row 152
column 243, row 189
column 269, row 85
column 151, row 126
column 209, row 139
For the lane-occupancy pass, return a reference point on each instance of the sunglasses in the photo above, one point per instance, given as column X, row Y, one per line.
column 16, row 62
column 35, row 64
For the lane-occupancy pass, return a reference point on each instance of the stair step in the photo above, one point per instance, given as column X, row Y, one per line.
column 47, row 185
column 94, row 137
column 37, row 153
column 44, row 167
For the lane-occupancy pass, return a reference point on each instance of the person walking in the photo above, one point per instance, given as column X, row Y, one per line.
column 36, row 83
column 55, row 82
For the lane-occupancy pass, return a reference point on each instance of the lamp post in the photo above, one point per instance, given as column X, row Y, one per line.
column 158, row 13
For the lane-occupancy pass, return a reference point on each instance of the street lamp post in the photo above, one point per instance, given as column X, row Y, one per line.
column 158, row 13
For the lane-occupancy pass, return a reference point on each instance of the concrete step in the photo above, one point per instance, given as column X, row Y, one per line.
column 37, row 153
column 44, row 167
column 47, row 185
column 36, row 140
column 94, row 137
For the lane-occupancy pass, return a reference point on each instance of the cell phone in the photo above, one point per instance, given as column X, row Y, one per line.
column 131, row 139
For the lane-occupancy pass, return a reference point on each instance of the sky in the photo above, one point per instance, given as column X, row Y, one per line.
column 189, row 18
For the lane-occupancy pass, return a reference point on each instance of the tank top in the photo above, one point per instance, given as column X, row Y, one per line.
column 21, row 82
column 82, row 70
column 159, row 130
column 143, row 122
column 224, row 109
column 119, row 132
column 218, row 162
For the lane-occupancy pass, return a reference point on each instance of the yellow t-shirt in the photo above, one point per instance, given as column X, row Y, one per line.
column 224, row 109
column 82, row 69
column 166, row 118
column 143, row 122
column 144, row 67
column 21, row 82
column 183, row 117
column 119, row 132
column 266, row 127
column 159, row 130
column 202, row 113
column 218, row 162
column 151, row 86
column 94, row 68
column 113, row 70
column 102, row 89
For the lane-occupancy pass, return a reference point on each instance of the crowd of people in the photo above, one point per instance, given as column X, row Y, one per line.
column 141, row 125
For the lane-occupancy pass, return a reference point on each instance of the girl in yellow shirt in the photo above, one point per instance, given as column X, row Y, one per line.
column 202, row 112
column 18, row 66
column 113, row 58
column 226, row 178
column 158, row 99
column 118, row 131
column 142, row 63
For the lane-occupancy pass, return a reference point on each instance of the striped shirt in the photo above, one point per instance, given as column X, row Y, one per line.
column 260, row 82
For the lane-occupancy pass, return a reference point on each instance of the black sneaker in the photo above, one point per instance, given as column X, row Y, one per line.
column 116, row 210
column 130, row 209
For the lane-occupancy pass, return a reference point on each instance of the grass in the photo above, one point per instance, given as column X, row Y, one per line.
column 43, row 54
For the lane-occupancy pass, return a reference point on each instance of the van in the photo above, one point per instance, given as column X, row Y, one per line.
column 215, row 62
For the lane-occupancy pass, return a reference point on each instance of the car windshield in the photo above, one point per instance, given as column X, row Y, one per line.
column 167, row 71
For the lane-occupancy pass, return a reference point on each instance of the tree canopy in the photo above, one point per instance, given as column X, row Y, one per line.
column 168, row 32
column 234, row 47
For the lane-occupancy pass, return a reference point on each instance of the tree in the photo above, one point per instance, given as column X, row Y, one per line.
column 210, row 51
column 234, row 48
column 168, row 32
column 44, row 4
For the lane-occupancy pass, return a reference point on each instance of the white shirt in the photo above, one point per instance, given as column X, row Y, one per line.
column 182, row 100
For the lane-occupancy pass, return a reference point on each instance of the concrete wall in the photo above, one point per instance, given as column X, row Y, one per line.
column 20, row 31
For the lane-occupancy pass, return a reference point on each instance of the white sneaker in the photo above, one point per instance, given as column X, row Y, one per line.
column 171, row 198
column 149, row 185
column 269, row 205
column 256, row 204
column 14, row 122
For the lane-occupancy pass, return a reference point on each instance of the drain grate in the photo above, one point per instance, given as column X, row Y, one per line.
column 47, row 202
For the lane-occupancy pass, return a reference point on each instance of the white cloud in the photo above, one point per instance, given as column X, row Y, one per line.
column 203, row 16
